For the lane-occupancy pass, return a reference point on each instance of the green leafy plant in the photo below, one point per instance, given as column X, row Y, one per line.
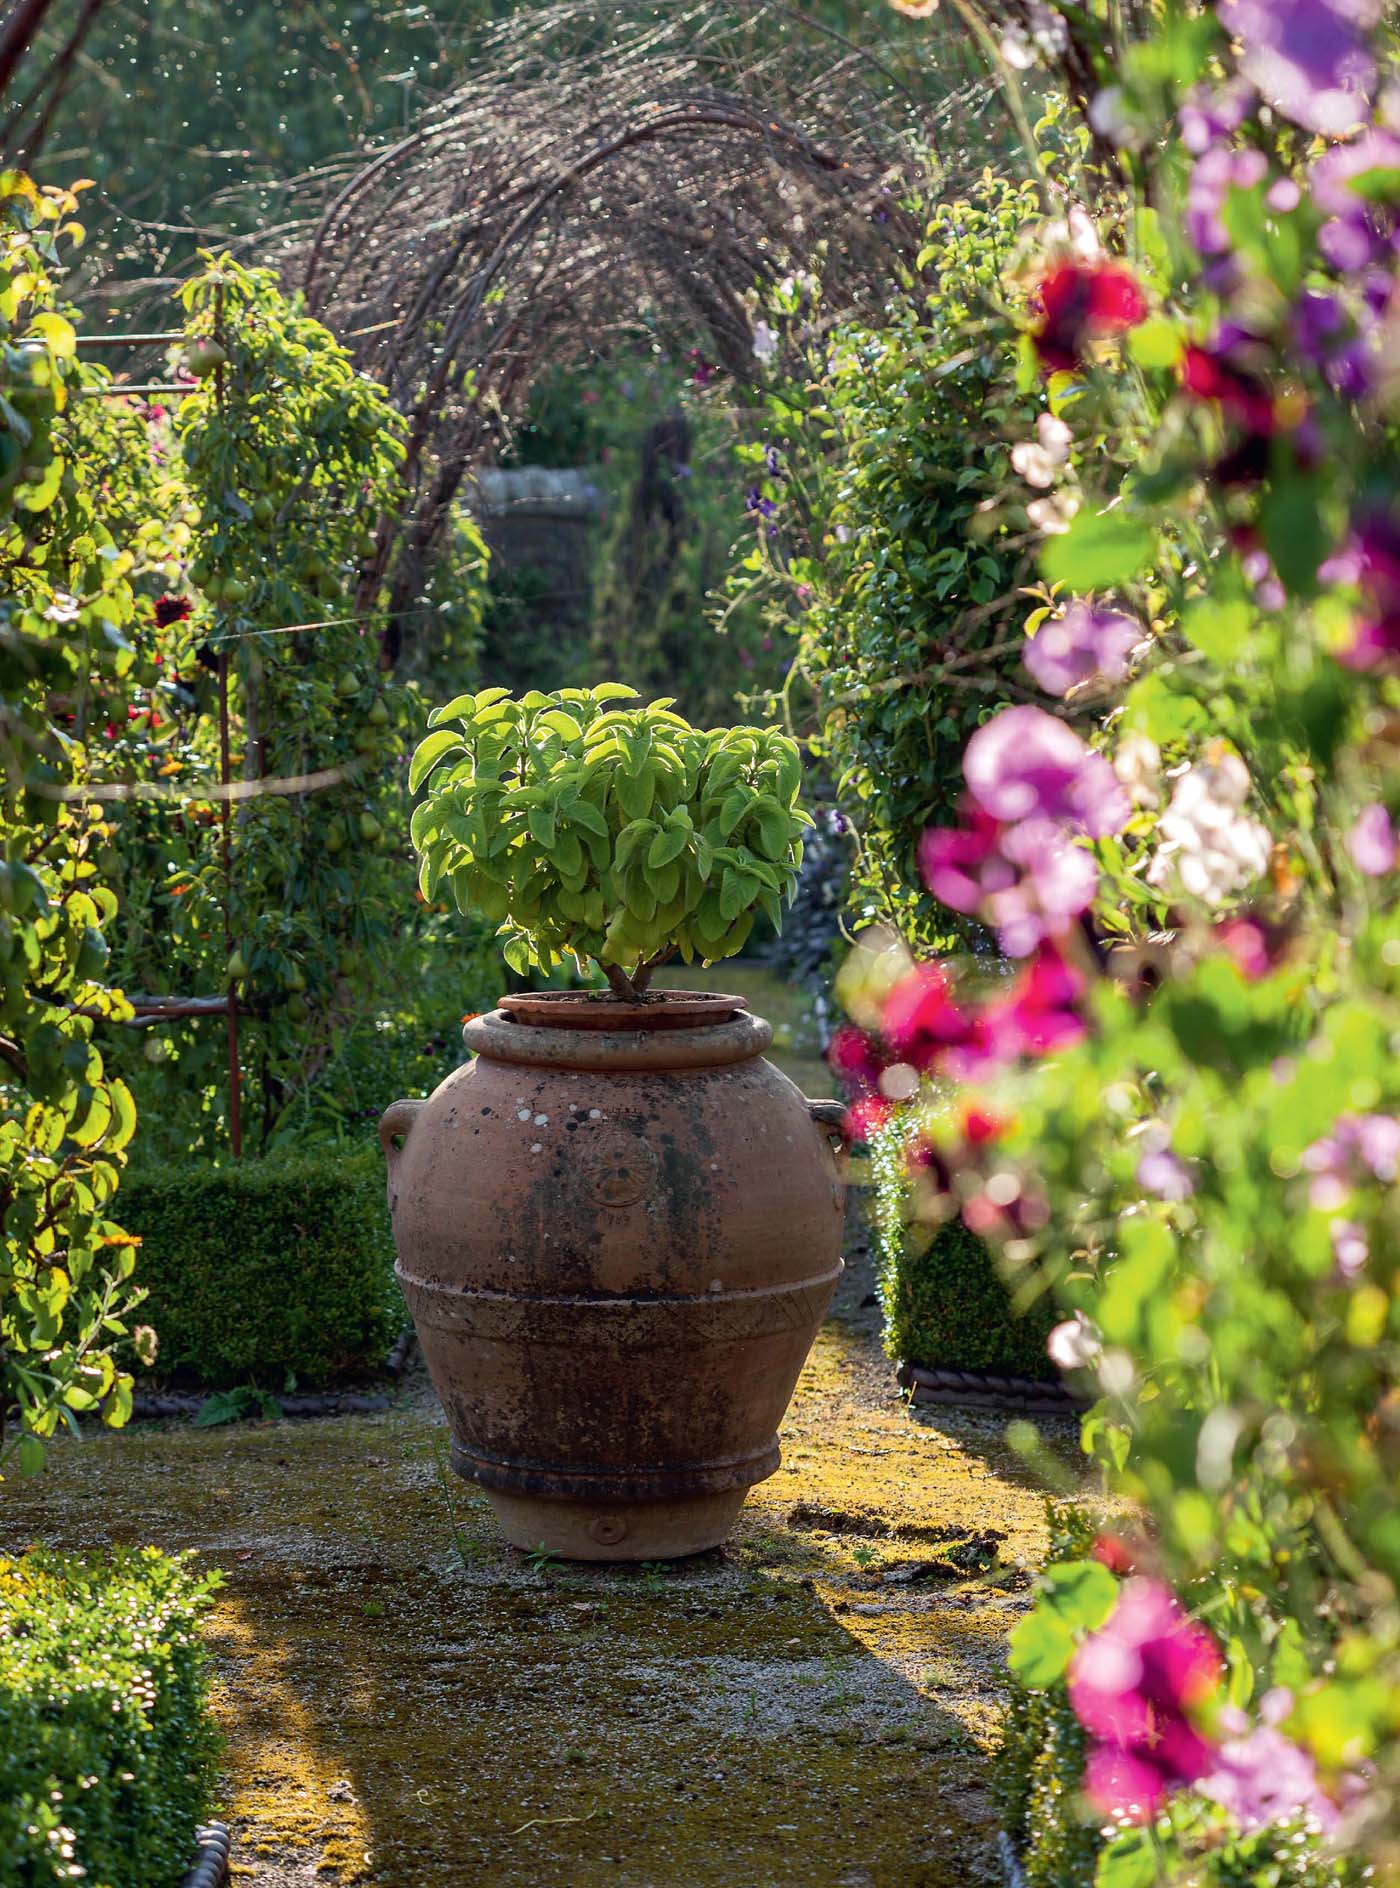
column 107, row 1750
column 604, row 832
column 65, row 609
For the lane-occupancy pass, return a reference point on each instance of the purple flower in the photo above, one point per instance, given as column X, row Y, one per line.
column 1370, row 561
column 770, row 461
column 1360, row 1147
column 1371, row 842
column 1357, row 233
column 1024, row 762
column 757, row 505
column 1083, row 642
column 1262, row 1777
column 1309, row 58
column 1030, row 881
column 1165, row 1174
column 1210, row 115
column 1213, row 177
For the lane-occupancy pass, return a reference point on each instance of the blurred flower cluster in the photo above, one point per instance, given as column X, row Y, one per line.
column 1172, row 1095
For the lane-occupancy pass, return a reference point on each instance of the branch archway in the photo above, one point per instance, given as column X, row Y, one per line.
column 598, row 182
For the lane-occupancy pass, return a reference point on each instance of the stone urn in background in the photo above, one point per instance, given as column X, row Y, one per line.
column 618, row 1230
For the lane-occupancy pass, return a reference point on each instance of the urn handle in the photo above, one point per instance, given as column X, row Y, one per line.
column 830, row 1117
column 394, row 1125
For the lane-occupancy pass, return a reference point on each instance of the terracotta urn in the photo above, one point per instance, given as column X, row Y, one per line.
column 618, row 1229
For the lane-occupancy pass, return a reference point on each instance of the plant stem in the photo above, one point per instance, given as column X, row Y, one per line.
column 641, row 976
column 621, row 984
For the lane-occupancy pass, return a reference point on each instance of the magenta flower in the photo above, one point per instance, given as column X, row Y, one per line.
column 1133, row 1685
column 1024, row 762
column 921, row 1021
column 1371, row 842
column 1082, row 643
column 1309, row 58
column 1037, row 1016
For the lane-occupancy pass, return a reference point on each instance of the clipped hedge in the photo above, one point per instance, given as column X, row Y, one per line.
column 944, row 1301
column 107, row 1751
column 276, row 1271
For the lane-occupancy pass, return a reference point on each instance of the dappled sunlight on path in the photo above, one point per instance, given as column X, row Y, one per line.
column 805, row 1705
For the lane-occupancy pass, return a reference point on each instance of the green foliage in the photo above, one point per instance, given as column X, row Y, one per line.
column 267, row 1270
column 945, row 1303
column 612, row 833
column 107, row 1751
column 65, row 606
column 269, row 490
column 896, row 549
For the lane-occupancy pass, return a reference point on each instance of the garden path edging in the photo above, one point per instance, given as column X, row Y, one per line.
column 210, row 1867
column 984, row 1389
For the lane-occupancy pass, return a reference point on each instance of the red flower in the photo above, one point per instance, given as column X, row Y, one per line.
column 172, row 610
column 1210, row 374
column 1080, row 303
column 852, row 1054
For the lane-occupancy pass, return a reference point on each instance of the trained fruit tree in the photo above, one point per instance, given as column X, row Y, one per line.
column 600, row 831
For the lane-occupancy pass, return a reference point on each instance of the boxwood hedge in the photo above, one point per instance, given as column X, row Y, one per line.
column 944, row 1301
column 276, row 1271
column 107, row 1751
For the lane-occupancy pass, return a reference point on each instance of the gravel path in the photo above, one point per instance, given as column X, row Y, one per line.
column 410, row 1703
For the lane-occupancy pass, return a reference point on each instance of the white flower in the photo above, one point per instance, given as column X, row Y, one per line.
column 1108, row 114
column 1137, row 764
column 1052, row 515
column 1037, row 459
column 1075, row 1344
column 1210, row 847
column 765, row 341
column 1074, row 236
column 63, row 609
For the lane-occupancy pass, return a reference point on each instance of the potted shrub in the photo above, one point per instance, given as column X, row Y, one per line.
column 618, row 1226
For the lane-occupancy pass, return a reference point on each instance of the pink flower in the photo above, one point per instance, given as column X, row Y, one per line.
column 1037, row 1015
column 1166, row 1174
column 1371, row 842
column 1024, row 762
column 1075, row 1344
column 1132, row 1685
column 1029, row 881
column 1083, row 642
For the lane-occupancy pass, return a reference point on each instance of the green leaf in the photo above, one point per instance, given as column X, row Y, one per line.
column 1100, row 549
column 1129, row 1861
column 1218, row 628
column 1080, row 1592
column 429, row 753
column 460, row 708
column 668, row 844
column 1041, row 1648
